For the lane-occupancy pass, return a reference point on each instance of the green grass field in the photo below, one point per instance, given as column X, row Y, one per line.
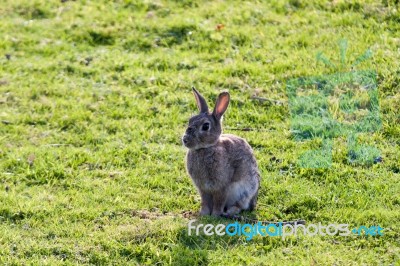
column 95, row 96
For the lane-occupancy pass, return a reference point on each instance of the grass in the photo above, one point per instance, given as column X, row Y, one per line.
column 94, row 96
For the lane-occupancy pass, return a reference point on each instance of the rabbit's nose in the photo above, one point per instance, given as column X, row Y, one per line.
column 185, row 139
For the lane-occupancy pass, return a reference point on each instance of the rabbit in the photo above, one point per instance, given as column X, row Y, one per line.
column 221, row 166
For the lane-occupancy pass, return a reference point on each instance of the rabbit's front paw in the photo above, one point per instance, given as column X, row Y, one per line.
column 205, row 211
column 216, row 213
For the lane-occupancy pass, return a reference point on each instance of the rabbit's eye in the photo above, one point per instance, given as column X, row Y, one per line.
column 205, row 126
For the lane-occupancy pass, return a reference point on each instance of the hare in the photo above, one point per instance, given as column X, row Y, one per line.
column 222, row 166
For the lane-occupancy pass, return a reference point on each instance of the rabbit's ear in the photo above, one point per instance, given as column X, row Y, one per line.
column 201, row 102
column 221, row 105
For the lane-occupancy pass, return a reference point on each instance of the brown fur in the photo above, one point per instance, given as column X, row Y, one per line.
column 222, row 166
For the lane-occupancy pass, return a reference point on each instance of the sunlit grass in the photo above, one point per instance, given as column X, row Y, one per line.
column 95, row 95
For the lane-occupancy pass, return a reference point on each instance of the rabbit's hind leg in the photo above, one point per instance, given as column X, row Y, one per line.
column 253, row 203
column 243, row 204
column 239, row 199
